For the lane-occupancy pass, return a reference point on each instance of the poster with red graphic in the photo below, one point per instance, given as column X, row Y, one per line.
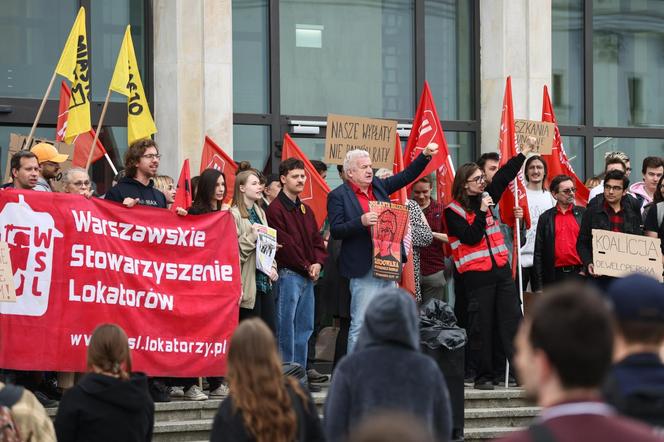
column 172, row 283
column 387, row 235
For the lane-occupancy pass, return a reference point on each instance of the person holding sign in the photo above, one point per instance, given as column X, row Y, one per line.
column 615, row 211
column 481, row 259
column 351, row 221
column 257, row 298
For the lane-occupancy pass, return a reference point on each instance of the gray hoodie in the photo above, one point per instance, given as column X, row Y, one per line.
column 387, row 372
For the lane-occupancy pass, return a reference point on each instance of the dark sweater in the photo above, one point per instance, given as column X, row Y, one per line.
column 476, row 232
column 297, row 233
column 387, row 372
column 130, row 188
column 102, row 408
column 229, row 425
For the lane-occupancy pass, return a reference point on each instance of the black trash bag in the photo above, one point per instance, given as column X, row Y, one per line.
column 438, row 327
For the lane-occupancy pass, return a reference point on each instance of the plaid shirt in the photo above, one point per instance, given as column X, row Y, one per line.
column 616, row 219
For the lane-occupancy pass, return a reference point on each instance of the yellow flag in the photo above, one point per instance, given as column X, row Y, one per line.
column 127, row 81
column 74, row 66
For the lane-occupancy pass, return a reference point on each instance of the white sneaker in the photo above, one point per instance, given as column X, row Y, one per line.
column 219, row 392
column 176, row 392
column 194, row 393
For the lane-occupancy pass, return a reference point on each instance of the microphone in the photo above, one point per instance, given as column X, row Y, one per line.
column 484, row 195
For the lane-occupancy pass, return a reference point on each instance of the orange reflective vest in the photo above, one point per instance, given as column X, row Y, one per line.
column 477, row 257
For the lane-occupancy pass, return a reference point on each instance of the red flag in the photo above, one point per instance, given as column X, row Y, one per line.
column 399, row 197
column 83, row 141
column 557, row 162
column 213, row 157
column 183, row 192
column 315, row 188
column 427, row 129
column 508, row 150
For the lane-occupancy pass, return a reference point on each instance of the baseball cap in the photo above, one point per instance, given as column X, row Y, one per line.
column 48, row 152
column 637, row 297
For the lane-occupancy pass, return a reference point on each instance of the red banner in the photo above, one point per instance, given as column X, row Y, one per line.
column 172, row 283
column 183, row 192
column 315, row 188
column 558, row 163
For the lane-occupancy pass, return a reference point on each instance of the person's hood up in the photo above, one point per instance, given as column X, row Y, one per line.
column 391, row 319
column 639, row 188
column 130, row 394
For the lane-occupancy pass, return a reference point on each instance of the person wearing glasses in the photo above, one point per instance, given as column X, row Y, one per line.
column 555, row 257
column 616, row 211
column 137, row 187
column 481, row 260
column 77, row 181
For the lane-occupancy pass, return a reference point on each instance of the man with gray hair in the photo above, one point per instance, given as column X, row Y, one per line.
column 351, row 221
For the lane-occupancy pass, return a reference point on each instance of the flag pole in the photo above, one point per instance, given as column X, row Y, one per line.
column 39, row 111
column 110, row 163
column 94, row 142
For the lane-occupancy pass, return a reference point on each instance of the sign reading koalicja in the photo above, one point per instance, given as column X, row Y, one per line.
column 618, row 254
column 80, row 262
column 541, row 130
column 344, row 133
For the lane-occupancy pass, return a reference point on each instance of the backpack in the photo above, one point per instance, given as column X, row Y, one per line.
column 8, row 428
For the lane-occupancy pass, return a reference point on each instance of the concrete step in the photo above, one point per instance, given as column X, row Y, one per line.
column 500, row 397
column 186, row 410
column 479, row 434
column 500, row 417
column 184, row 431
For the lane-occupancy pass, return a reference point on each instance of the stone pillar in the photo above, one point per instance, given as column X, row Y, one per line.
column 193, row 79
column 515, row 40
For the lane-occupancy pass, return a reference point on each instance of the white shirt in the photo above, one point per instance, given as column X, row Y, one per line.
column 539, row 201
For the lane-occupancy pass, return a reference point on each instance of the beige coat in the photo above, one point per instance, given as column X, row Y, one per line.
column 246, row 238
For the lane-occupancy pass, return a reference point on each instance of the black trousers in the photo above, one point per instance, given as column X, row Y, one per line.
column 264, row 308
column 493, row 312
column 528, row 276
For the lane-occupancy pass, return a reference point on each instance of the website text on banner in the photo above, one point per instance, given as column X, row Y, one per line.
column 172, row 283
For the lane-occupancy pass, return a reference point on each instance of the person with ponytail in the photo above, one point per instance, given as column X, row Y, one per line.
column 263, row 405
column 257, row 298
column 110, row 403
column 481, row 260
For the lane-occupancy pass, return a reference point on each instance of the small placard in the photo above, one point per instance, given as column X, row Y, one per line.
column 344, row 133
column 7, row 289
column 541, row 130
column 619, row 254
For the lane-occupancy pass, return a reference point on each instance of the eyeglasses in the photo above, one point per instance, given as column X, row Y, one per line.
column 81, row 183
column 568, row 191
column 613, row 188
column 151, row 156
column 478, row 179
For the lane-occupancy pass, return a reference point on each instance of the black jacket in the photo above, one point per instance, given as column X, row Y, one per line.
column 103, row 408
column 229, row 426
column 387, row 371
column 130, row 188
column 544, row 257
column 595, row 217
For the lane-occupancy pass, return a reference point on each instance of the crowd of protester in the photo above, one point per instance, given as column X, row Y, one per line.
column 561, row 352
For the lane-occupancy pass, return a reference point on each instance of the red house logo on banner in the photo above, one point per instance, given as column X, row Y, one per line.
column 30, row 236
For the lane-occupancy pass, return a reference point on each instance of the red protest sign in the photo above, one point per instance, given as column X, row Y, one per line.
column 387, row 235
column 172, row 283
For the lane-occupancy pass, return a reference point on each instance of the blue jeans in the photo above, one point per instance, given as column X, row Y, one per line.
column 362, row 291
column 295, row 315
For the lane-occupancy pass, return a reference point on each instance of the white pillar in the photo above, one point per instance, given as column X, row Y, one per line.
column 193, row 79
column 515, row 40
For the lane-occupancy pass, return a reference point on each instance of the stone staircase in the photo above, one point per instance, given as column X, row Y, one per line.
column 488, row 414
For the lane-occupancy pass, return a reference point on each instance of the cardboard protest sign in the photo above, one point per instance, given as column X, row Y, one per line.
column 7, row 289
column 618, row 254
column 387, row 235
column 541, row 130
column 266, row 248
column 16, row 143
column 346, row 133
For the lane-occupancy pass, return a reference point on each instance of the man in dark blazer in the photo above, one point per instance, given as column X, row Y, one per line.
column 555, row 258
column 351, row 221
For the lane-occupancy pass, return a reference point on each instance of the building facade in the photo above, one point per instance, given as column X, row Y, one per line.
column 246, row 72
